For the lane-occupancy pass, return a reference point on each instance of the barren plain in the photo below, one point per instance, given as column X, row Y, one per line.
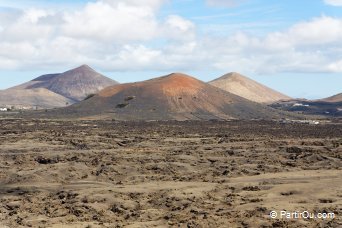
column 168, row 174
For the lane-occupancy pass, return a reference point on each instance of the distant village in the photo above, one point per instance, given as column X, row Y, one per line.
column 311, row 122
column 8, row 108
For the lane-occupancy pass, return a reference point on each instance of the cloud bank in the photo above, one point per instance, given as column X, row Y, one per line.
column 118, row 35
column 223, row 3
column 333, row 2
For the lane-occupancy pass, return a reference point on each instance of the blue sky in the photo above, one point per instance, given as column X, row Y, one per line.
column 292, row 46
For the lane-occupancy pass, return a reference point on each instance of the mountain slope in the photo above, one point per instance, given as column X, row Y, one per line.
column 335, row 98
column 242, row 86
column 75, row 84
column 172, row 97
column 32, row 98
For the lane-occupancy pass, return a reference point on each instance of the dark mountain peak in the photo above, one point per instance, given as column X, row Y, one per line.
column 84, row 69
column 46, row 77
column 79, row 82
column 85, row 66
column 75, row 84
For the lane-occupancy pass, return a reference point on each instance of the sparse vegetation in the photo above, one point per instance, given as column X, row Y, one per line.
column 122, row 105
column 129, row 98
column 89, row 96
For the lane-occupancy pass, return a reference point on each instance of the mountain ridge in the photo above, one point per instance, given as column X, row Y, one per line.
column 172, row 97
column 247, row 88
column 71, row 86
column 334, row 98
column 74, row 84
column 32, row 99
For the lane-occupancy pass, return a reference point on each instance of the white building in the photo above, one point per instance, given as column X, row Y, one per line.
column 3, row 109
column 301, row 105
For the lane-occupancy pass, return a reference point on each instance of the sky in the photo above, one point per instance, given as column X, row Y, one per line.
column 292, row 46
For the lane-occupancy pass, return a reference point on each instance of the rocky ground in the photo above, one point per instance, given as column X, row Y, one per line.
column 168, row 174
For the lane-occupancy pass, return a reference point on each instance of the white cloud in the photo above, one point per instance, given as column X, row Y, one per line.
column 333, row 2
column 311, row 46
column 112, row 32
column 336, row 66
column 178, row 28
column 138, row 56
column 130, row 35
column 318, row 31
column 26, row 28
column 111, row 22
column 223, row 3
column 152, row 4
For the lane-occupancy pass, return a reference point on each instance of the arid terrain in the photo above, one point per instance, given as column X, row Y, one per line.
column 245, row 87
column 306, row 107
column 168, row 174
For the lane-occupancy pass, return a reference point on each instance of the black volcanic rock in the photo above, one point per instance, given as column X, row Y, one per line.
column 307, row 107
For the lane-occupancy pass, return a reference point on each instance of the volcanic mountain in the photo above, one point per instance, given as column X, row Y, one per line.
column 32, row 99
column 172, row 97
column 335, row 98
column 75, row 84
column 242, row 86
column 56, row 90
